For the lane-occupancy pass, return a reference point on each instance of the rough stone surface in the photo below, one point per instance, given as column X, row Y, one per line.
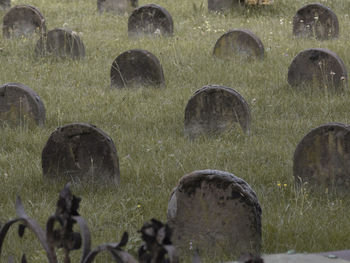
column 215, row 212
column 223, row 5
column 238, row 43
column 80, row 151
column 62, row 43
column 116, row 6
column 136, row 68
column 151, row 20
column 5, row 4
column 20, row 105
column 319, row 67
column 23, row 20
column 213, row 109
column 322, row 158
column 316, row 20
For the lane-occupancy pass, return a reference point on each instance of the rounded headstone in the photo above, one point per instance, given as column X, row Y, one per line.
column 322, row 158
column 116, row 6
column 136, row 68
column 215, row 211
column 213, row 109
column 62, row 43
column 80, row 151
column 317, row 66
column 20, row 105
column 316, row 20
column 151, row 20
column 5, row 4
column 239, row 43
column 23, row 20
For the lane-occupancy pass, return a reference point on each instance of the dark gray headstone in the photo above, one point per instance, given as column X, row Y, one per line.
column 215, row 212
column 20, row 105
column 317, row 66
column 80, row 151
column 213, row 109
column 151, row 20
column 238, row 43
column 316, row 20
column 23, row 20
column 322, row 158
column 224, row 5
column 62, row 43
column 116, row 6
column 5, row 4
column 136, row 68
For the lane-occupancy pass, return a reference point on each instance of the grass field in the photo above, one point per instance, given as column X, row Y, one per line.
column 147, row 124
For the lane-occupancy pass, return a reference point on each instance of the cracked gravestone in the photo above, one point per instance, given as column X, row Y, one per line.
column 5, row 4
column 213, row 109
column 116, row 6
column 20, row 105
column 322, row 158
column 80, row 151
column 319, row 67
column 62, row 43
column 238, row 43
column 136, row 68
column 150, row 20
column 23, row 20
column 316, row 20
column 215, row 212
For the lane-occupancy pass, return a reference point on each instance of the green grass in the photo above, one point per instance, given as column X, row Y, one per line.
column 147, row 124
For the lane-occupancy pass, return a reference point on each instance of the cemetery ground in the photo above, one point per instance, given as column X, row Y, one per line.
column 147, row 127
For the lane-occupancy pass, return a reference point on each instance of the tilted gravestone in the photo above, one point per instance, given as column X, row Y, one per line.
column 80, row 151
column 322, row 158
column 318, row 66
column 23, row 20
column 5, row 4
column 20, row 105
column 238, row 43
column 213, row 109
column 316, row 20
column 215, row 211
column 136, row 68
column 116, row 6
column 150, row 20
column 62, row 43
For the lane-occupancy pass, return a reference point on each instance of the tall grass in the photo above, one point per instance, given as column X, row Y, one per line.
column 147, row 124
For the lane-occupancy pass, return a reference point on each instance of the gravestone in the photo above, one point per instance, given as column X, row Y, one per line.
column 20, row 105
column 116, row 6
column 23, row 20
column 215, row 212
column 80, row 151
column 5, row 4
column 317, row 66
column 316, row 20
column 213, row 109
column 62, row 43
column 151, row 20
column 238, row 43
column 136, row 68
column 223, row 5
column 322, row 158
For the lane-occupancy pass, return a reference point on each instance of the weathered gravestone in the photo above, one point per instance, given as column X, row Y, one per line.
column 116, row 6
column 320, row 67
column 316, row 20
column 23, row 20
column 151, row 20
column 238, row 43
column 215, row 212
column 80, row 151
column 213, row 109
column 4, row 4
column 226, row 5
column 322, row 158
column 136, row 68
column 20, row 105
column 62, row 43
